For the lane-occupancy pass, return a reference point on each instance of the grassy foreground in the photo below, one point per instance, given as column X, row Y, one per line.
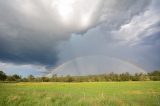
column 80, row 94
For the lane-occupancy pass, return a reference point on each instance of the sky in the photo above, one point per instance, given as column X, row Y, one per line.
column 79, row 37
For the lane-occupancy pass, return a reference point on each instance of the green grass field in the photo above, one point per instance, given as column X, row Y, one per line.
column 80, row 94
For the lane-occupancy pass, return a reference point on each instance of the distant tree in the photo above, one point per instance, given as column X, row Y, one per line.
column 17, row 77
column 155, row 75
column 69, row 78
column 14, row 77
column 3, row 76
column 25, row 80
column 31, row 78
column 135, row 77
column 142, row 77
column 10, row 78
column 44, row 79
column 125, row 76
column 53, row 78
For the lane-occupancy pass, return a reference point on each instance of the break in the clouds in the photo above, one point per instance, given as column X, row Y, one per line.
column 49, row 33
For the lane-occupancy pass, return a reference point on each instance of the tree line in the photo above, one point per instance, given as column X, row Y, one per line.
column 151, row 76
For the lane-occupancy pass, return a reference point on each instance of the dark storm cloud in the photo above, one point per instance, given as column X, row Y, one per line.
column 31, row 29
column 28, row 49
column 25, row 39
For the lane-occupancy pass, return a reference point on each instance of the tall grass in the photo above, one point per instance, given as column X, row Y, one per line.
column 80, row 94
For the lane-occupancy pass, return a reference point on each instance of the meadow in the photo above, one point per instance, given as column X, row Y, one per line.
column 140, row 93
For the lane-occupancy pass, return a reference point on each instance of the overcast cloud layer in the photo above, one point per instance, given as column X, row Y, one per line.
column 51, row 32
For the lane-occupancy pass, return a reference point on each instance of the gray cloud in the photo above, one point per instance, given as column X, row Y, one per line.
column 47, row 33
column 30, row 31
column 122, row 39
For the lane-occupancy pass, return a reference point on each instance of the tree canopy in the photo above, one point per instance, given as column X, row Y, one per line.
column 154, row 76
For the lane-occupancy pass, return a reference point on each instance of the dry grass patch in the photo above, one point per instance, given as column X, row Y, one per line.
column 135, row 92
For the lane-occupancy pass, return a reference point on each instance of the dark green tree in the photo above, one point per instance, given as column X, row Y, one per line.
column 31, row 78
column 155, row 75
column 44, row 79
column 17, row 77
column 69, row 78
column 3, row 76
